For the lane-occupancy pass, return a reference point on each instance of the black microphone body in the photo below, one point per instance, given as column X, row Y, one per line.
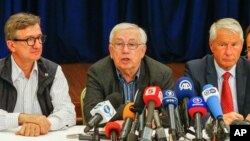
column 93, row 122
column 185, row 112
column 147, row 131
column 159, row 132
column 198, row 126
column 179, row 127
column 141, row 125
column 113, row 136
column 126, row 128
column 132, row 136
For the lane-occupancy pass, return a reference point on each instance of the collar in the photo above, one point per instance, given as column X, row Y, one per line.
column 220, row 71
column 17, row 72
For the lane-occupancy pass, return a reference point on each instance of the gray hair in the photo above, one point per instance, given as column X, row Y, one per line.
column 226, row 23
column 122, row 26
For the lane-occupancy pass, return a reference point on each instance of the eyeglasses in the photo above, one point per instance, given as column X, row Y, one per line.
column 131, row 46
column 32, row 40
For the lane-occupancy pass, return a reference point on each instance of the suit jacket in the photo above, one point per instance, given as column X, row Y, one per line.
column 202, row 72
column 103, row 80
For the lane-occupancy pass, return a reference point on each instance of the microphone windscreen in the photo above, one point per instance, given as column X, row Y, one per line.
column 127, row 113
column 153, row 93
column 115, row 99
column 112, row 126
column 211, row 96
column 139, row 104
column 184, row 88
column 169, row 97
column 197, row 105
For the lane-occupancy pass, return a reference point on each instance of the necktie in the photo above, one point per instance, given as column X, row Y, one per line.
column 226, row 95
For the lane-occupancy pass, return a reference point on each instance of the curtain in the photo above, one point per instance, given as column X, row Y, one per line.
column 78, row 30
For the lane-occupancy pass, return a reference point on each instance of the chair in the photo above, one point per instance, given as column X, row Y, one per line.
column 82, row 104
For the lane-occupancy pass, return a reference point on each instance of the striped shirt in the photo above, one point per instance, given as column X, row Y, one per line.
column 128, row 88
column 64, row 110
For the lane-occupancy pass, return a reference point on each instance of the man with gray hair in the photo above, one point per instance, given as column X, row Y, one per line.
column 225, row 69
column 125, row 70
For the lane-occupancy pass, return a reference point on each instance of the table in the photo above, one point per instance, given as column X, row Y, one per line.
column 60, row 135
column 9, row 135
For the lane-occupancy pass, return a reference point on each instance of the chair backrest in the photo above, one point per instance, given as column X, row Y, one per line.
column 82, row 104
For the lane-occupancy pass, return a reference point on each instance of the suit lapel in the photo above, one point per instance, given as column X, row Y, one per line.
column 211, row 73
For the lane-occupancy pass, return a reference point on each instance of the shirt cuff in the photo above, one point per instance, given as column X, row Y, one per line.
column 55, row 123
column 12, row 120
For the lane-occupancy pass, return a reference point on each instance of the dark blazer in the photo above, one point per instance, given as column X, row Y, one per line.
column 202, row 72
column 103, row 80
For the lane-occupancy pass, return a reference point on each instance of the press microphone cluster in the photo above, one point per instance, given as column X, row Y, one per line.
column 104, row 111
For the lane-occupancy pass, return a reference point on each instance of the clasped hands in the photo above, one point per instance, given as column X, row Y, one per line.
column 33, row 125
column 232, row 116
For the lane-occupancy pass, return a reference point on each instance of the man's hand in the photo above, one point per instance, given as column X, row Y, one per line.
column 29, row 129
column 40, row 120
column 248, row 117
column 232, row 116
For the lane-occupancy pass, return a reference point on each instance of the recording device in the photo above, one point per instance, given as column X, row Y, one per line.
column 128, row 117
column 112, row 131
column 197, row 110
column 211, row 96
column 170, row 102
column 104, row 111
column 152, row 98
column 184, row 91
column 159, row 131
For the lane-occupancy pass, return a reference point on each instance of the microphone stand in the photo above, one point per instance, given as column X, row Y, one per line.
column 96, row 136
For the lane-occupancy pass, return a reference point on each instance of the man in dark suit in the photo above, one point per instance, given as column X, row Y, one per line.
column 125, row 70
column 226, row 43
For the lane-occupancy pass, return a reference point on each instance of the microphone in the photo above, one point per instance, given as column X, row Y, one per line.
column 184, row 91
column 112, row 130
column 104, row 111
column 197, row 110
column 211, row 96
column 170, row 101
column 128, row 116
column 152, row 98
column 159, row 132
column 138, row 109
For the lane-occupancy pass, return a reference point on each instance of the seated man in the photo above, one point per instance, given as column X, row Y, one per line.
column 33, row 90
column 226, row 43
column 125, row 70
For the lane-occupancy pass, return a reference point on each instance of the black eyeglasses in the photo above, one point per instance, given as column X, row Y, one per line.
column 32, row 40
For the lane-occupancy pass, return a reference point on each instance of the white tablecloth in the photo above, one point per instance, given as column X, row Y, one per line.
column 9, row 135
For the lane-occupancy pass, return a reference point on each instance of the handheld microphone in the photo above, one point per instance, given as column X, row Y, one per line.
column 112, row 130
column 152, row 98
column 184, row 91
column 170, row 101
column 211, row 96
column 197, row 110
column 128, row 116
column 104, row 111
